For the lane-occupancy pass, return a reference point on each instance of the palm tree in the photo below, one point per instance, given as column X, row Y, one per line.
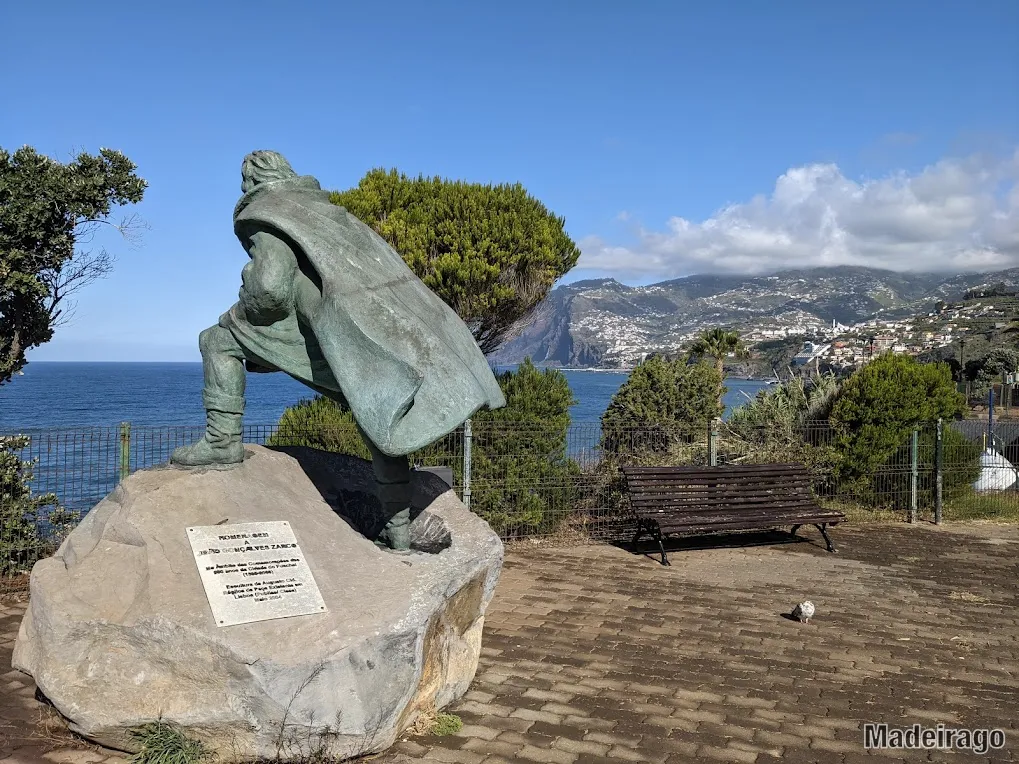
column 718, row 344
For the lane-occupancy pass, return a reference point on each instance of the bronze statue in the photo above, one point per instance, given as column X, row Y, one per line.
column 326, row 300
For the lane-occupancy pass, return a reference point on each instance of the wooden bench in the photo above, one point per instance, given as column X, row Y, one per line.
column 683, row 501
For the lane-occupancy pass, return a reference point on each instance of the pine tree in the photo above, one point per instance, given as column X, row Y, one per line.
column 661, row 403
column 492, row 253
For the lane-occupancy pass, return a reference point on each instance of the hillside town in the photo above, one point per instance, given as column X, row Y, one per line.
column 843, row 348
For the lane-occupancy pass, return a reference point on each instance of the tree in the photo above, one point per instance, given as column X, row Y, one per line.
column 523, row 480
column 491, row 253
column 661, row 403
column 46, row 209
column 718, row 344
column 994, row 366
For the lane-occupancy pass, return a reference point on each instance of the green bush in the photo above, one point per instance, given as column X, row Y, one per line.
column 662, row 403
column 21, row 540
column 522, row 480
column 873, row 416
column 781, row 412
column 320, row 423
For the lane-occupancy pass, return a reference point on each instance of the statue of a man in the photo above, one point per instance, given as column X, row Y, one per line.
column 326, row 300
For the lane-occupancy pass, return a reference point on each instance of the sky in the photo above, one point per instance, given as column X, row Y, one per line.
column 674, row 137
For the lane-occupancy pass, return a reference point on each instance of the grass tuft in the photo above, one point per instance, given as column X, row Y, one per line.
column 446, row 724
column 165, row 743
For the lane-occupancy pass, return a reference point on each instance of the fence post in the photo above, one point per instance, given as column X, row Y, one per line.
column 914, row 475
column 468, row 437
column 125, row 450
column 939, row 472
column 713, row 444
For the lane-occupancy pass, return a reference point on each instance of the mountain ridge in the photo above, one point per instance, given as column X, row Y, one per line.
column 602, row 322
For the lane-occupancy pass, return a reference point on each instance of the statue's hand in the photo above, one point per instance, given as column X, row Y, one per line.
column 261, row 309
column 267, row 281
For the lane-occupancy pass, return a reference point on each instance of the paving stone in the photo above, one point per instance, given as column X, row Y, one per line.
column 546, row 755
column 489, row 748
column 592, row 654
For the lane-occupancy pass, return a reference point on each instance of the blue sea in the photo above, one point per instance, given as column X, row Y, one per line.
column 72, row 412
column 52, row 395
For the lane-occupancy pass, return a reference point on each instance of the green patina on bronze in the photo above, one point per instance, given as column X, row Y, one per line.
column 326, row 300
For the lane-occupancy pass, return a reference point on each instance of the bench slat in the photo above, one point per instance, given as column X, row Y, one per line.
column 694, row 493
column 747, row 509
column 732, row 469
column 740, row 525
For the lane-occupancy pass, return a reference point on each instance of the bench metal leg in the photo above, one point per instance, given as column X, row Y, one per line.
column 795, row 528
column 636, row 538
column 821, row 527
column 665, row 557
column 650, row 529
column 661, row 547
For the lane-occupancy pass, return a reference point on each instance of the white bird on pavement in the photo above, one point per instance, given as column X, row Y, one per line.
column 804, row 612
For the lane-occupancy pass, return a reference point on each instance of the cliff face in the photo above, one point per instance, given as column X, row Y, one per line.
column 604, row 323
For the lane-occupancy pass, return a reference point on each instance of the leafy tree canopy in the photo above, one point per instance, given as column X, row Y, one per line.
column 718, row 344
column 878, row 406
column 662, row 401
column 46, row 209
column 491, row 253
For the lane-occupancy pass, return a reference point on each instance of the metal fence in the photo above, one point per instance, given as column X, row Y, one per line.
column 531, row 481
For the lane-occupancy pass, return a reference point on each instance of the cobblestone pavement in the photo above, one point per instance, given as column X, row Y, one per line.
column 593, row 654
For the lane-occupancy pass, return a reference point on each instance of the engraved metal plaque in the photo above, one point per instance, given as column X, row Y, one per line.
column 254, row 572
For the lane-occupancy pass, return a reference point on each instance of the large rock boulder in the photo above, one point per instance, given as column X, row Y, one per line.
column 119, row 631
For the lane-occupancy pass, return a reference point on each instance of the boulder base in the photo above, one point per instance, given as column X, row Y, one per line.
column 119, row 631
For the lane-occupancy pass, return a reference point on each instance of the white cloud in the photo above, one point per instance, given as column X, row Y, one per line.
column 956, row 215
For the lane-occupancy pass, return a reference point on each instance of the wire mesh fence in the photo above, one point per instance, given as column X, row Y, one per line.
column 533, row 481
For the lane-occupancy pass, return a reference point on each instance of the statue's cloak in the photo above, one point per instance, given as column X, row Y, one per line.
column 406, row 364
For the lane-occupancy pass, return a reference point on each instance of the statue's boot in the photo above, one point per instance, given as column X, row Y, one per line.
column 221, row 444
column 396, row 534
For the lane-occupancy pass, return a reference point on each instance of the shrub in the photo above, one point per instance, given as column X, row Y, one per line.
column 874, row 415
column 320, row 423
column 781, row 412
column 662, row 403
column 522, row 480
column 22, row 515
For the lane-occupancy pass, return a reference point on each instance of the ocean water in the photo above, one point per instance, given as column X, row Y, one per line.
column 81, row 395
column 72, row 411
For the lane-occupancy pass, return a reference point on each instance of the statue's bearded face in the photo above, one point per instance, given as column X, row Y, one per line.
column 248, row 182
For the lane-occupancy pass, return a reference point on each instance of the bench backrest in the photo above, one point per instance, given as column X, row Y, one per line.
column 731, row 489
